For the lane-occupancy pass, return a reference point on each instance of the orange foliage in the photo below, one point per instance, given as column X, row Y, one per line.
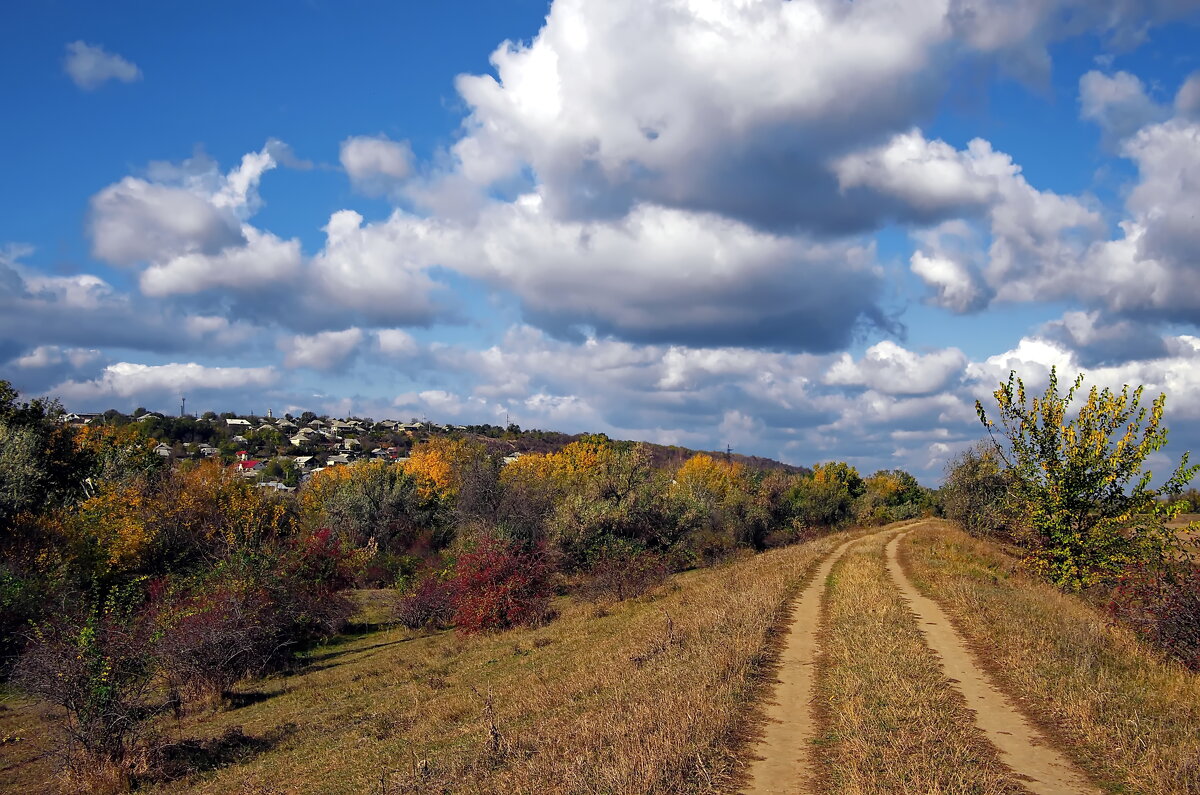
column 115, row 521
column 886, row 487
column 704, row 474
column 210, row 503
column 838, row 473
column 200, row 507
column 565, row 469
column 436, row 465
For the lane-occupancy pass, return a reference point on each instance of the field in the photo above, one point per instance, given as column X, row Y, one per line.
column 648, row 695
column 667, row 692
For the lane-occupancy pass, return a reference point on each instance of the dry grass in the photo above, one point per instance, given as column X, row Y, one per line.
column 26, row 763
column 1126, row 714
column 648, row 695
column 891, row 721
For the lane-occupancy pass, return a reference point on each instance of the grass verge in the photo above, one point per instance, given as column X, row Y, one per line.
column 890, row 720
column 644, row 696
column 1126, row 714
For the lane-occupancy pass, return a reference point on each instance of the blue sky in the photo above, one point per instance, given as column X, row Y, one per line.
column 810, row 230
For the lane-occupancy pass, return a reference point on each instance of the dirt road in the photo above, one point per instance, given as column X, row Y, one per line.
column 784, row 759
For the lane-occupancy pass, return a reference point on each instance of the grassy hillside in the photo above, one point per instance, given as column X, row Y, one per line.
column 660, row 694
column 649, row 695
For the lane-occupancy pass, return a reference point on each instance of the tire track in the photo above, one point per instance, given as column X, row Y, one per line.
column 783, row 758
column 1034, row 761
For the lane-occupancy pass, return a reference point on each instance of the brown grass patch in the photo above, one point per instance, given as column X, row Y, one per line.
column 891, row 722
column 1125, row 713
column 650, row 696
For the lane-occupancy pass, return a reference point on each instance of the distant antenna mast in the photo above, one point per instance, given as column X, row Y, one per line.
column 728, row 452
column 182, row 404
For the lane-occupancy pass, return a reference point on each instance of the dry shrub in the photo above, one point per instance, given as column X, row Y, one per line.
column 207, row 641
column 623, row 571
column 430, row 603
column 1163, row 606
column 95, row 665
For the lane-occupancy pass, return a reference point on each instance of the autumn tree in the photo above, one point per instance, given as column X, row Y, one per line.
column 975, row 493
column 1081, row 482
column 438, row 464
column 369, row 500
column 890, row 495
column 714, row 498
column 40, row 463
column 826, row 497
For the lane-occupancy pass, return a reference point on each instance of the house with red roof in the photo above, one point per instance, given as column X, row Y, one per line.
column 248, row 469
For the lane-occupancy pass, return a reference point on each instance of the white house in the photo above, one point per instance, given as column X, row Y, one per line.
column 237, row 423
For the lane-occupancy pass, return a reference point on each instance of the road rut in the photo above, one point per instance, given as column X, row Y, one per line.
column 784, row 763
column 1039, row 768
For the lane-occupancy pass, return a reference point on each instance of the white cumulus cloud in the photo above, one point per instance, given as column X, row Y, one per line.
column 892, row 370
column 376, row 164
column 130, row 379
column 326, row 351
column 1118, row 103
column 91, row 66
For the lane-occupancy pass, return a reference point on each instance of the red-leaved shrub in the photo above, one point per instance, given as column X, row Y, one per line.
column 321, row 559
column 499, row 585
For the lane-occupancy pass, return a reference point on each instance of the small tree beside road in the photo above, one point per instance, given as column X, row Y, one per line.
column 1085, row 495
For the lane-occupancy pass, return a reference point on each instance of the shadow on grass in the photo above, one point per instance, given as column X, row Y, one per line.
column 239, row 700
column 186, row 757
column 354, row 628
column 311, row 659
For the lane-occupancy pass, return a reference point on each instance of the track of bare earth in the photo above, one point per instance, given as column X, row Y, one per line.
column 1040, row 768
column 783, row 757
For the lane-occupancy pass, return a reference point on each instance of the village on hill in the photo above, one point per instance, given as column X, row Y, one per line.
column 282, row 452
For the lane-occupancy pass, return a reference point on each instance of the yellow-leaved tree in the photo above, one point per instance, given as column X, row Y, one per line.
column 1081, row 483
column 437, row 465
